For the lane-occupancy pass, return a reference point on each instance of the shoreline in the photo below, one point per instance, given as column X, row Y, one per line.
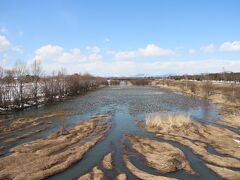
column 229, row 111
column 59, row 100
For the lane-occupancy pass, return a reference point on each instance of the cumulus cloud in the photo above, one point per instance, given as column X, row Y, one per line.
column 71, row 56
column 128, row 68
column 48, row 51
column 125, row 68
column 58, row 54
column 4, row 43
column 208, row 49
column 151, row 50
column 191, row 51
column 230, row 46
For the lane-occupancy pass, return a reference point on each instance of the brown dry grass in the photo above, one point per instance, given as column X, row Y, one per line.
column 141, row 174
column 167, row 121
column 45, row 157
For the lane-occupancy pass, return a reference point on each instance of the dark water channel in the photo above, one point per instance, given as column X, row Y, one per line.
column 126, row 104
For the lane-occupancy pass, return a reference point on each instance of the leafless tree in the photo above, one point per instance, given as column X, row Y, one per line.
column 61, row 82
column 36, row 70
column 20, row 70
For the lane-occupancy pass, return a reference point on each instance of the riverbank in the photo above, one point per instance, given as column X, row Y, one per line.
column 42, row 102
column 215, row 93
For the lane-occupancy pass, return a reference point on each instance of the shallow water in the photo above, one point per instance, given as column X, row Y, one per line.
column 125, row 104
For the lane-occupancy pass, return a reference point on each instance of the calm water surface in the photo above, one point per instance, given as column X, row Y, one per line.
column 126, row 104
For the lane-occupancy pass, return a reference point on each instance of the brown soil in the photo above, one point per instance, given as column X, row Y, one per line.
column 141, row 174
column 95, row 174
column 45, row 157
column 159, row 155
column 107, row 161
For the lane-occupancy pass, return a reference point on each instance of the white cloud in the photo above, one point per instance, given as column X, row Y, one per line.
column 48, row 51
column 94, row 57
column 151, row 50
column 56, row 53
column 126, row 68
column 208, row 49
column 68, row 57
column 4, row 43
column 93, row 49
column 191, row 51
column 230, row 46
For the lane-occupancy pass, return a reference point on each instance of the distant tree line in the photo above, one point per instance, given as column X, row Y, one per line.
column 140, row 81
column 24, row 86
column 223, row 76
column 206, row 87
column 133, row 81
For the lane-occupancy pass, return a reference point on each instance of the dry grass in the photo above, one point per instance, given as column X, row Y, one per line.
column 168, row 121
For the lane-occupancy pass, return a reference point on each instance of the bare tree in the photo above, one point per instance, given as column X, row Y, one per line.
column 9, row 85
column 36, row 70
column 61, row 82
column 20, row 70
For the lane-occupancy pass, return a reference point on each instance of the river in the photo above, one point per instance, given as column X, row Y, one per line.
column 125, row 104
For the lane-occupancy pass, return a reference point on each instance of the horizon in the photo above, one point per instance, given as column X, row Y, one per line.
column 122, row 38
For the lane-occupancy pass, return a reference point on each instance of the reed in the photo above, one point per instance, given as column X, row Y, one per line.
column 168, row 121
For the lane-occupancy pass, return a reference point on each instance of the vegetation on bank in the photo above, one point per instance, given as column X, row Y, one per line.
column 223, row 76
column 168, row 120
column 23, row 86
column 55, row 153
column 199, row 137
column 133, row 81
column 227, row 92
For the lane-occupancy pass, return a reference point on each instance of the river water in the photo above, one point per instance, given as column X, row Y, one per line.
column 126, row 104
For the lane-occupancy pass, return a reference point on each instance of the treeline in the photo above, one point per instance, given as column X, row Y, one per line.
column 224, row 76
column 24, row 86
column 140, row 81
column 133, row 81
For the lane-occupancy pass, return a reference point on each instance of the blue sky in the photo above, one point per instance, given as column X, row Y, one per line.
column 122, row 37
